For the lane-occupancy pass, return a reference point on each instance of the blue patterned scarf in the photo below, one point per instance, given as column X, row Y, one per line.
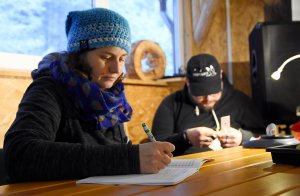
column 107, row 107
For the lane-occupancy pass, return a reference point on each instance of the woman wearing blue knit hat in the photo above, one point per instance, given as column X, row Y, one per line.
column 69, row 122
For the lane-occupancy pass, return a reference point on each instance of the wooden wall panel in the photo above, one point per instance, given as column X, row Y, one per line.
column 144, row 98
column 11, row 91
column 215, row 42
column 243, row 21
column 144, row 101
column 241, row 75
column 243, row 15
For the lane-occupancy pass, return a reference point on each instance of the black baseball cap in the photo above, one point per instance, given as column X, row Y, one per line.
column 204, row 74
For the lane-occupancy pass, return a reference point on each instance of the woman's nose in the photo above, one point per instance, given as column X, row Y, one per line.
column 115, row 67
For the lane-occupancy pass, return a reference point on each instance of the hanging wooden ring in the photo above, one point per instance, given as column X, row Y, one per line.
column 148, row 54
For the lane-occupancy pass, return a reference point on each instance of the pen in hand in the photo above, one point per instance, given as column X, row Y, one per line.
column 148, row 132
column 152, row 138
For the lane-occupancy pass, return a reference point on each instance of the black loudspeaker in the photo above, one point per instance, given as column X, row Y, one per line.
column 271, row 44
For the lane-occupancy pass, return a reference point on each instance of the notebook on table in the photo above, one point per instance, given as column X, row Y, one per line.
column 175, row 172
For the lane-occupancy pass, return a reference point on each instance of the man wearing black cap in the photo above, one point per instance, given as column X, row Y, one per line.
column 191, row 118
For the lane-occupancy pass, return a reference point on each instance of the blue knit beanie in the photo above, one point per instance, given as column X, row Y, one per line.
column 97, row 28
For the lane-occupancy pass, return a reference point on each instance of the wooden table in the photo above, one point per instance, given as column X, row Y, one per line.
column 235, row 171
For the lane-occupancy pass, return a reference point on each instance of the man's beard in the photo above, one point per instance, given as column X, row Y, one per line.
column 209, row 108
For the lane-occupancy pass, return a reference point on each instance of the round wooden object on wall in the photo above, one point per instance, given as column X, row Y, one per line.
column 147, row 61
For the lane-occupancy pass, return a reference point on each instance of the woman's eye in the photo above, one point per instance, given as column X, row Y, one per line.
column 123, row 59
column 105, row 57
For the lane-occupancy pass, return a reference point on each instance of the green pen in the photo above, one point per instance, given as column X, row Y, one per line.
column 148, row 132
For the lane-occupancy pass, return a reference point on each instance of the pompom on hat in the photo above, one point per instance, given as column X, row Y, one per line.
column 97, row 28
column 204, row 75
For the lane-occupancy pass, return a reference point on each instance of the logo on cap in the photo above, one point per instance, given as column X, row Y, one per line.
column 208, row 72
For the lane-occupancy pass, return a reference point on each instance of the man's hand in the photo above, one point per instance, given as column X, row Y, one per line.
column 201, row 136
column 230, row 137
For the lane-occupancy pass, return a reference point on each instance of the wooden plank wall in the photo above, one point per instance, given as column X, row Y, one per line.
column 13, row 85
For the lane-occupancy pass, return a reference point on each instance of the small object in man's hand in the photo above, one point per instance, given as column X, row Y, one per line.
column 213, row 136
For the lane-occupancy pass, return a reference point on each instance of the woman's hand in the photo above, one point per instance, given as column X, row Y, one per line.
column 155, row 156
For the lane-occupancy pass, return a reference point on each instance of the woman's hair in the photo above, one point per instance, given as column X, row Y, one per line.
column 78, row 62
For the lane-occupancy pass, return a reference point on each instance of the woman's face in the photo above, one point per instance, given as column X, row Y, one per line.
column 107, row 65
